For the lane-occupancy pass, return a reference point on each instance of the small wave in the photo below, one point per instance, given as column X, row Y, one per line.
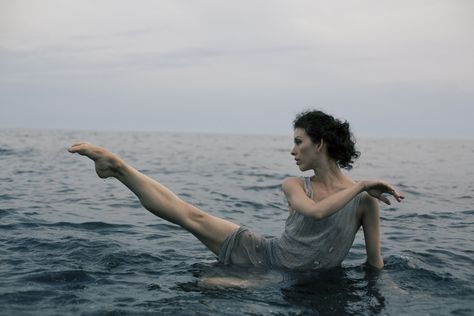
column 128, row 260
column 67, row 299
column 164, row 226
column 91, row 226
column 7, row 197
column 262, row 188
column 252, row 204
column 6, row 152
column 416, row 215
column 414, row 277
column 257, row 174
column 27, row 171
column 24, row 297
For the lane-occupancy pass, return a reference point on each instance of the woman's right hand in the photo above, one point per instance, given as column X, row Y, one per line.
column 377, row 189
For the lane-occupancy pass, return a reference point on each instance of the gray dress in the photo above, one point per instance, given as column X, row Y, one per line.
column 305, row 244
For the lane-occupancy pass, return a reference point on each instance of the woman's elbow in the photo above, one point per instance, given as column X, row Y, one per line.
column 317, row 216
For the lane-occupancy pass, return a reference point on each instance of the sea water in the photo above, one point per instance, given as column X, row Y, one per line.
column 72, row 244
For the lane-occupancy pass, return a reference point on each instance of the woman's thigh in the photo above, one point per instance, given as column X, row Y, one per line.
column 209, row 229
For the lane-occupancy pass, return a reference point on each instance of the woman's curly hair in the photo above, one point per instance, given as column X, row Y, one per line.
column 340, row 142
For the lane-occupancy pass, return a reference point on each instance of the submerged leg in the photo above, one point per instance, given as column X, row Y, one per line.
column 156, row 198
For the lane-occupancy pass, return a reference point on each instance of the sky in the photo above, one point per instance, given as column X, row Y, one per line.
column 391, row 68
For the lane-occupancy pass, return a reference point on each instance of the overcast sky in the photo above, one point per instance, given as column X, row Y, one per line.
column 391, row 68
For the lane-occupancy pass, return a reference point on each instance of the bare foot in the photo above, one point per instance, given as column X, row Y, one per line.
column 106, row 163
column 226, row 282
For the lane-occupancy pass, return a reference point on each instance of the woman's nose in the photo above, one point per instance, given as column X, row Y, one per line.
column 292, row 152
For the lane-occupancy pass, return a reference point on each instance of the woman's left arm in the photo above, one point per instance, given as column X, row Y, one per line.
column 371, row 226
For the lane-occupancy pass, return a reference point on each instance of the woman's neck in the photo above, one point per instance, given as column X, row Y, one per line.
column 329, row 175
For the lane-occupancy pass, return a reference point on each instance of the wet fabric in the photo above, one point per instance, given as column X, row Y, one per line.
column 305, row 244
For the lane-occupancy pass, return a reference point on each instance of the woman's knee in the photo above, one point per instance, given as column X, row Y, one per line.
column 195, row 218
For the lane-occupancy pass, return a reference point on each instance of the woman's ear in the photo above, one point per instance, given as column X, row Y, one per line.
column 319, row 147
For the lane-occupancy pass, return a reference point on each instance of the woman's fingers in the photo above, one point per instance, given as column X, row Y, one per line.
column 397, row 195
column 379, row 188
column 384, row 199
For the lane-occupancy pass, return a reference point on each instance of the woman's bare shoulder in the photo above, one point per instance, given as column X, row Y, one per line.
column 290, row 182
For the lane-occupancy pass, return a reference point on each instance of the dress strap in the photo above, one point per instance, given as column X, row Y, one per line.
column 308, row 188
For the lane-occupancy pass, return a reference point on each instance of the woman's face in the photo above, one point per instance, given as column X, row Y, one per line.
column 304, row 150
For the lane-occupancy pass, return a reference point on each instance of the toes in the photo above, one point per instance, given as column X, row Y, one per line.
column 77, row 147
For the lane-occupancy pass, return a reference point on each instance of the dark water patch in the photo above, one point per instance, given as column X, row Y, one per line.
column 336, row 292
column 447, row 215
column 65, row 190
column 97, row 227
column 278, row 207
column 8, row 197
column 185, row 195
column 416, row 279
column 221, row 194
column 262, row 188
column 6, row 180
column 33, row 213
column 6, row 152
column 416, row 216
column 32, row 244
column 29, row 297
column 154, row 236
column 16, row 226
column 449, row 255
column 128, row 260
column 101, row 227
column 19, row 172
column 127, row 205
column 463, row 312
column 230, row 209
column 250, row 204
column 68, row 299
column 468, row 212
column 462, row 225
column 257, row 174
column 153, row 287
column 60, row 277
column 4, row 212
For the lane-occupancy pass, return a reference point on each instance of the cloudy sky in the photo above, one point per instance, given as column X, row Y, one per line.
column 391, row 68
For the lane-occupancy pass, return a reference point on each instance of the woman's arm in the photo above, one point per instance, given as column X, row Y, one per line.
column 300, row 202
column 371, row 226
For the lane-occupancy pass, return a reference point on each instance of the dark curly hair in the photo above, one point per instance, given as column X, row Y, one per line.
column 336, row 134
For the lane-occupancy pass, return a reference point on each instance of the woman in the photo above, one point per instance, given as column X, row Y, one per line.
column 326, row 210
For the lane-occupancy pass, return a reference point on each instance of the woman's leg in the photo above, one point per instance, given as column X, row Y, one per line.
column 209, row 229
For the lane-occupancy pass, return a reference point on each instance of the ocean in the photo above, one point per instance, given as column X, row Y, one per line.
column 74, row 244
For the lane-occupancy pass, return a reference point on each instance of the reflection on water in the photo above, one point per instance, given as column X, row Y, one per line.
column 337, row 291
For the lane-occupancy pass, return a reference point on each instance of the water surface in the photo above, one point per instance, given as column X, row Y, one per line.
column 73, row 244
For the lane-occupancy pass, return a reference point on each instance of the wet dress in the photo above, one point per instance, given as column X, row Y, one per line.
column 305, row 244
